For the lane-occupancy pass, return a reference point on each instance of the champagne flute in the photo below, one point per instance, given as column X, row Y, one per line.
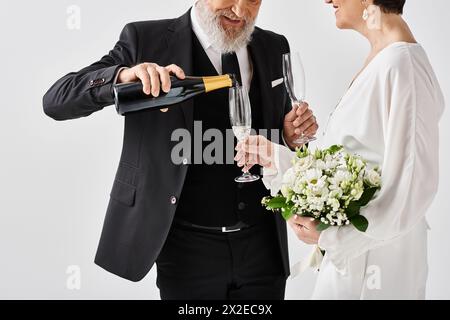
column 295, row 82
column 241, row 122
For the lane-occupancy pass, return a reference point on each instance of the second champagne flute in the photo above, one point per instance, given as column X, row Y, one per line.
column 295, row 82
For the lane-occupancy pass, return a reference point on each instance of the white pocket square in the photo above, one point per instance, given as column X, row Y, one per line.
column 276, row 83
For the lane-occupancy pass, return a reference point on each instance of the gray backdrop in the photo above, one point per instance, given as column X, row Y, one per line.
column 55, row 177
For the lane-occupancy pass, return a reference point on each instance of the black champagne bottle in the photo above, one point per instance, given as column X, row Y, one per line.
column 129, row 97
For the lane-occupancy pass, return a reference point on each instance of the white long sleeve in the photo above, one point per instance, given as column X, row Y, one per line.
column 273, row 178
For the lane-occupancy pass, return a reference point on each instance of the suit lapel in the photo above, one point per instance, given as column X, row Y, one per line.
column 179, row 48
column 262, row 65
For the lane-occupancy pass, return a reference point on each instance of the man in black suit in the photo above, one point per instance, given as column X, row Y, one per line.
column 209, row 236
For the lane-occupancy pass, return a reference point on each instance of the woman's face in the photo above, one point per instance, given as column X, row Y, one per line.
column 348, row 12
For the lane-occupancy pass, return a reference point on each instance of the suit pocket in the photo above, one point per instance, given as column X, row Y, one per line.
column 123, row 193
column 277, row 82
column 127, row 174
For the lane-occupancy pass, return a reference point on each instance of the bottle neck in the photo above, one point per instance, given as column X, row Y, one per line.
column 217, row 82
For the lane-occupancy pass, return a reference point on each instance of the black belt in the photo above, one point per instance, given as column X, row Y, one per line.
column 237, row 227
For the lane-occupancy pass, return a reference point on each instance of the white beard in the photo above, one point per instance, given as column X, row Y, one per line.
column 221, row 40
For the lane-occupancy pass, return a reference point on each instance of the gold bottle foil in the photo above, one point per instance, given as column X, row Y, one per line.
column 217, row 82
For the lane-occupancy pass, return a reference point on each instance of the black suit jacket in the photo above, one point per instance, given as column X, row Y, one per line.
column 147, row 184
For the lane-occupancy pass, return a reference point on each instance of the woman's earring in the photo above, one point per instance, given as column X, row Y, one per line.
column 366, row 11
column 365, row 14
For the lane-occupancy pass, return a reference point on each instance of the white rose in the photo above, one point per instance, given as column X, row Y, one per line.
column 303, row 164
column 289, row 176
column 331, row 163
column 373, row 178
column 321, row 165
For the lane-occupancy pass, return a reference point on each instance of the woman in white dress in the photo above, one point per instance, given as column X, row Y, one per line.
column 390, row 117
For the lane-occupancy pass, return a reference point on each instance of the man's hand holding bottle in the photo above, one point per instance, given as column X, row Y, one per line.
column 154, row 77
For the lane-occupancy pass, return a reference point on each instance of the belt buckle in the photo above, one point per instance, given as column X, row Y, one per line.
column 229, row 230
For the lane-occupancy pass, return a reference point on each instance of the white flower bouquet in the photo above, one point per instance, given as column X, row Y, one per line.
column 329, row 185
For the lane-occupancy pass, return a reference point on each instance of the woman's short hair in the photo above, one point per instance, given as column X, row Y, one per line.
column 390, row 6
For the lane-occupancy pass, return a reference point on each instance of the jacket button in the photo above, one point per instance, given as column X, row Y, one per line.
column 173, row 200
column 241, row 206
column 97, row 82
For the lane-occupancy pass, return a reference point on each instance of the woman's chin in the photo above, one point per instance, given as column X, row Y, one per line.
column 341, row 24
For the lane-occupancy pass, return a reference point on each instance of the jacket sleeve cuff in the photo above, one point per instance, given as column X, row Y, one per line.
column 102, row 82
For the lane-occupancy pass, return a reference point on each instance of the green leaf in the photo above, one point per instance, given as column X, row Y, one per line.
column 353, row 209
column 334, row 149
column 367, row 196
column 360, row 223
column 288, row 213
column 276, row 203
column 322, row 227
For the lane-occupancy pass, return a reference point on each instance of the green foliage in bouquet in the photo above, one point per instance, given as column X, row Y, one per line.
column 328, row 185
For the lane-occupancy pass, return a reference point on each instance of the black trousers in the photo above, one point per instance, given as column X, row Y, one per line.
column 201, row 265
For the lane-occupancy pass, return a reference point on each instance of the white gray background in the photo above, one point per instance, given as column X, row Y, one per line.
column 55, row 177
